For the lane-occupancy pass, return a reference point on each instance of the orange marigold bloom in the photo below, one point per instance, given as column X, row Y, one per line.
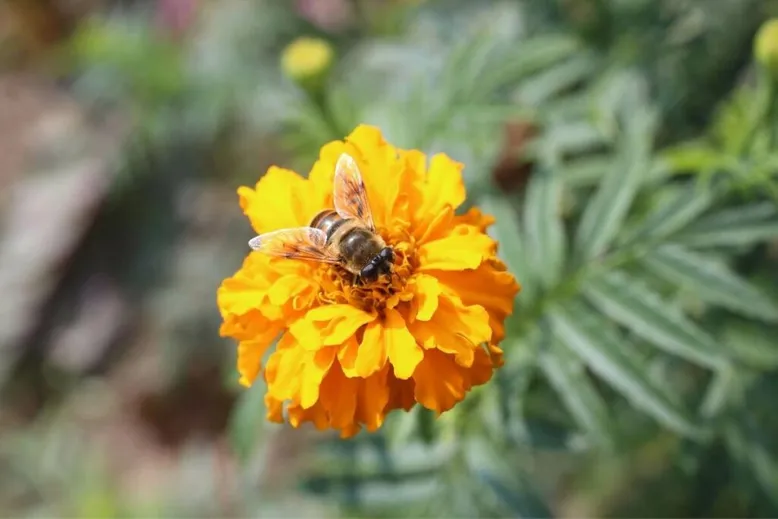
column 346, row 355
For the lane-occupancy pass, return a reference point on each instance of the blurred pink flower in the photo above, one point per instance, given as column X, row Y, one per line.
column 330, row 15
column 175, row 17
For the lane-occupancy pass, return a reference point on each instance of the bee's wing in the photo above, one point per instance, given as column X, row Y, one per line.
column 305, row 243
column 349, row 193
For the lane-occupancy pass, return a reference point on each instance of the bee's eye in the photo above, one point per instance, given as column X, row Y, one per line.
column 387, row 254
column 369, row 272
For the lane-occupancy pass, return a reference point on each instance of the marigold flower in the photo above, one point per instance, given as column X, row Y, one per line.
column 347, row 354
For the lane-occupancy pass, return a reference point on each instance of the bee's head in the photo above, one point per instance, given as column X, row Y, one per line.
column 369, row 273
column 380, row 264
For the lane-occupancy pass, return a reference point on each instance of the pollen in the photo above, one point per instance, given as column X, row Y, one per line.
column 340, row 286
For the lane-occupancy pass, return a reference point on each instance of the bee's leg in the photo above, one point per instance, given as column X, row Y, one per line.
column 357, row 280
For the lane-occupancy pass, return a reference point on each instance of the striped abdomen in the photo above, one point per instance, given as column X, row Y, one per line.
column 357, row 245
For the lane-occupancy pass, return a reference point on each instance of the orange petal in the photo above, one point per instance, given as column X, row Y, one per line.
column 373, row 397
column 339, row 397
column 347, row 357
column 401, row 347
column 439, row 382
column 498, row 300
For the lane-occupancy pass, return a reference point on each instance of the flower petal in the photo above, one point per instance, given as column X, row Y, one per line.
column 385, row 175
column 455, row 328
column 404, row 353
column 339, row 397
column 281, row 199
column 373, row 397
column 347, row 356
column 455, row 252
column 344, row 321
column 439, row 382
column 316, row 367
column 371, row 356
column 498, row 300
column 250, row 353
column 307, row 334
column 426, row 292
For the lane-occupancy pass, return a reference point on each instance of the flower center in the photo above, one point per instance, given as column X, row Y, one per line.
column 338, row 286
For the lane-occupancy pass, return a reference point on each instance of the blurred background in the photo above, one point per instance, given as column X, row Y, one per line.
column 628, row 149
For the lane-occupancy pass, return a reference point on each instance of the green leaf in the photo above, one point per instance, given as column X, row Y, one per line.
column 693, row 157
column 605, row 213
column 686, row 205
column 247, row 421
column 568, row 376
column 752, row 344
column 585, row 171
column 514, row 493
column 609, row 356
column 750, row 443
column 571, row 138
column 638, row 308
column 720, row 392
column 507, row 231
column 739, row 226
column 553, row 80
column 544, row 233
column 711, row 281
column 530, row 56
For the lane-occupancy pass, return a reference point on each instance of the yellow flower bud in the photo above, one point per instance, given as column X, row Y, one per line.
column 306, row 58
column 766, row 46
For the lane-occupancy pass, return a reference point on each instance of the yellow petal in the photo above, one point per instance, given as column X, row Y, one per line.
column 498, row 300
column 307, row 334
column 381, row 169
column 343, row 322
column 426, row 291
column 435, row 228
column 281, row 199
column 455, row 252
column 401, row 347
column 371, row 356
column 250, row 353
column 285, row 385
column 286, row 288
column 316, row 367
column 455, row 328
column 347, row 356
column 443, row 187
column 444, row 180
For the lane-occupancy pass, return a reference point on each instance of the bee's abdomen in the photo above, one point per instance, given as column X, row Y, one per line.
column 328, row 221
column 360, row 246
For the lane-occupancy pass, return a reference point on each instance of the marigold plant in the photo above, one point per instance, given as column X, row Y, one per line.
column 347, row 354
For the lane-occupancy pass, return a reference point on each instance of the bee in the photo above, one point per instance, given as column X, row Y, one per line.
column 345, row 236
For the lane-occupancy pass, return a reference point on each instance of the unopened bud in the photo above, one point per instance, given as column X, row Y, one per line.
column 766, row 47
column 307, row 59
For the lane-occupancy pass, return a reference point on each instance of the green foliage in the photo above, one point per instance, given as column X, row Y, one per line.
column 634, row 314
column 640, row 362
